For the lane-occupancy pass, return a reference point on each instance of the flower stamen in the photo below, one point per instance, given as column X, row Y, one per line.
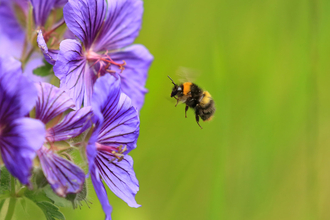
column 116, row 152
column 104, row 62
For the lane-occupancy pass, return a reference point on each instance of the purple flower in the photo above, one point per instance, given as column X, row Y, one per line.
column 49, row 54
column 105, row 34
column 63, row 176
column 10, row 24
column 42, row 9
column 12, row 33
column 20, row 137
column 13, row 25
column 13, row 14
column 115, row 134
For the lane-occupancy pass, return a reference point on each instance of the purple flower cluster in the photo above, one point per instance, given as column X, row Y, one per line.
column 95, row 109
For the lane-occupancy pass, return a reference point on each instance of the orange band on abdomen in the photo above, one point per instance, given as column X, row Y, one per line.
column 186, row 87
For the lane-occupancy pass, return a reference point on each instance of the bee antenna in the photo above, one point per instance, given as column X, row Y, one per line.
column 171, row 80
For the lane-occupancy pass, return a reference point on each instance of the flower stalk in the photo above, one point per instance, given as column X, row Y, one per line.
column 12, row 201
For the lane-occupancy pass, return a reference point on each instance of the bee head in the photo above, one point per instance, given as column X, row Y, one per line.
column 175, row 89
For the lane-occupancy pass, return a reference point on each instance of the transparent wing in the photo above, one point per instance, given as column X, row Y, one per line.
column 186, row 74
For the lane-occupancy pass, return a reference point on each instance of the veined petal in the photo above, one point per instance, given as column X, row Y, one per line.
column 116, row 123
column 120, row 125
column 119, row 176
column 101, row 193
column 17, row 94
column 72, row 125
column 84, row 18
column 91, row 151
column 49, row 54
column 106, row 95
column 75, row 75
column 51, row 102
column 41, row 10
column 133, row 78
column 120, row 119
column 63, row 176
column 122, row 25
column 19, row 142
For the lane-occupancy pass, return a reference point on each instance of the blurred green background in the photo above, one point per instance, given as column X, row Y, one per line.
column 266, row 154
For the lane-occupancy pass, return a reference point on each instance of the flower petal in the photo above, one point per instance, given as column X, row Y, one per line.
column 101, row 193
column 122, row 24
column 41, row 11
column 49, row 54
column 106, row 95
column 85, row 18
column 63, row 176
column 133, row 78
column 9, row 24
column 75, row 75
column 119, row 176
column 71, row 126
column 51, row 102
column 19, row 142
column 120, row 125
column 60, row 3
column 17, row 93
column 120, row 119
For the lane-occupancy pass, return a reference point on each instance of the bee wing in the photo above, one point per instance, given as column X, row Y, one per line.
column 186, row 74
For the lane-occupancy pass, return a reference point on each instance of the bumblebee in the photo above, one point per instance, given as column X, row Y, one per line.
column 194, row 97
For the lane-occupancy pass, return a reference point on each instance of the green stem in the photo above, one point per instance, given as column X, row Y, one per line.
column 26, row 58
column 12, row 201
column 12, row 185
column 11, row 208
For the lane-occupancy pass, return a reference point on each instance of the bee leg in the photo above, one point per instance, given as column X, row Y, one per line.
column 186, row 110
column 197, row 120
column 177, row 101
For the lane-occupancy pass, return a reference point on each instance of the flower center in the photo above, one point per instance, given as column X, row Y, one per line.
column 116, row 152
column 103, row 62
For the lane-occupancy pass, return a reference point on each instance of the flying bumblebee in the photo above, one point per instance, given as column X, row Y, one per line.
column 195, row 98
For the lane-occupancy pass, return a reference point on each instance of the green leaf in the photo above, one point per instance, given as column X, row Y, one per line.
column 44, row 70
column 5, row 195
column 4, row 180
column 46, row 204
column 71, row 198
column 4, row 185
column 1, row 203
column 37, row 196
column 23, row 203
column 50, row 210
column 59, row 201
